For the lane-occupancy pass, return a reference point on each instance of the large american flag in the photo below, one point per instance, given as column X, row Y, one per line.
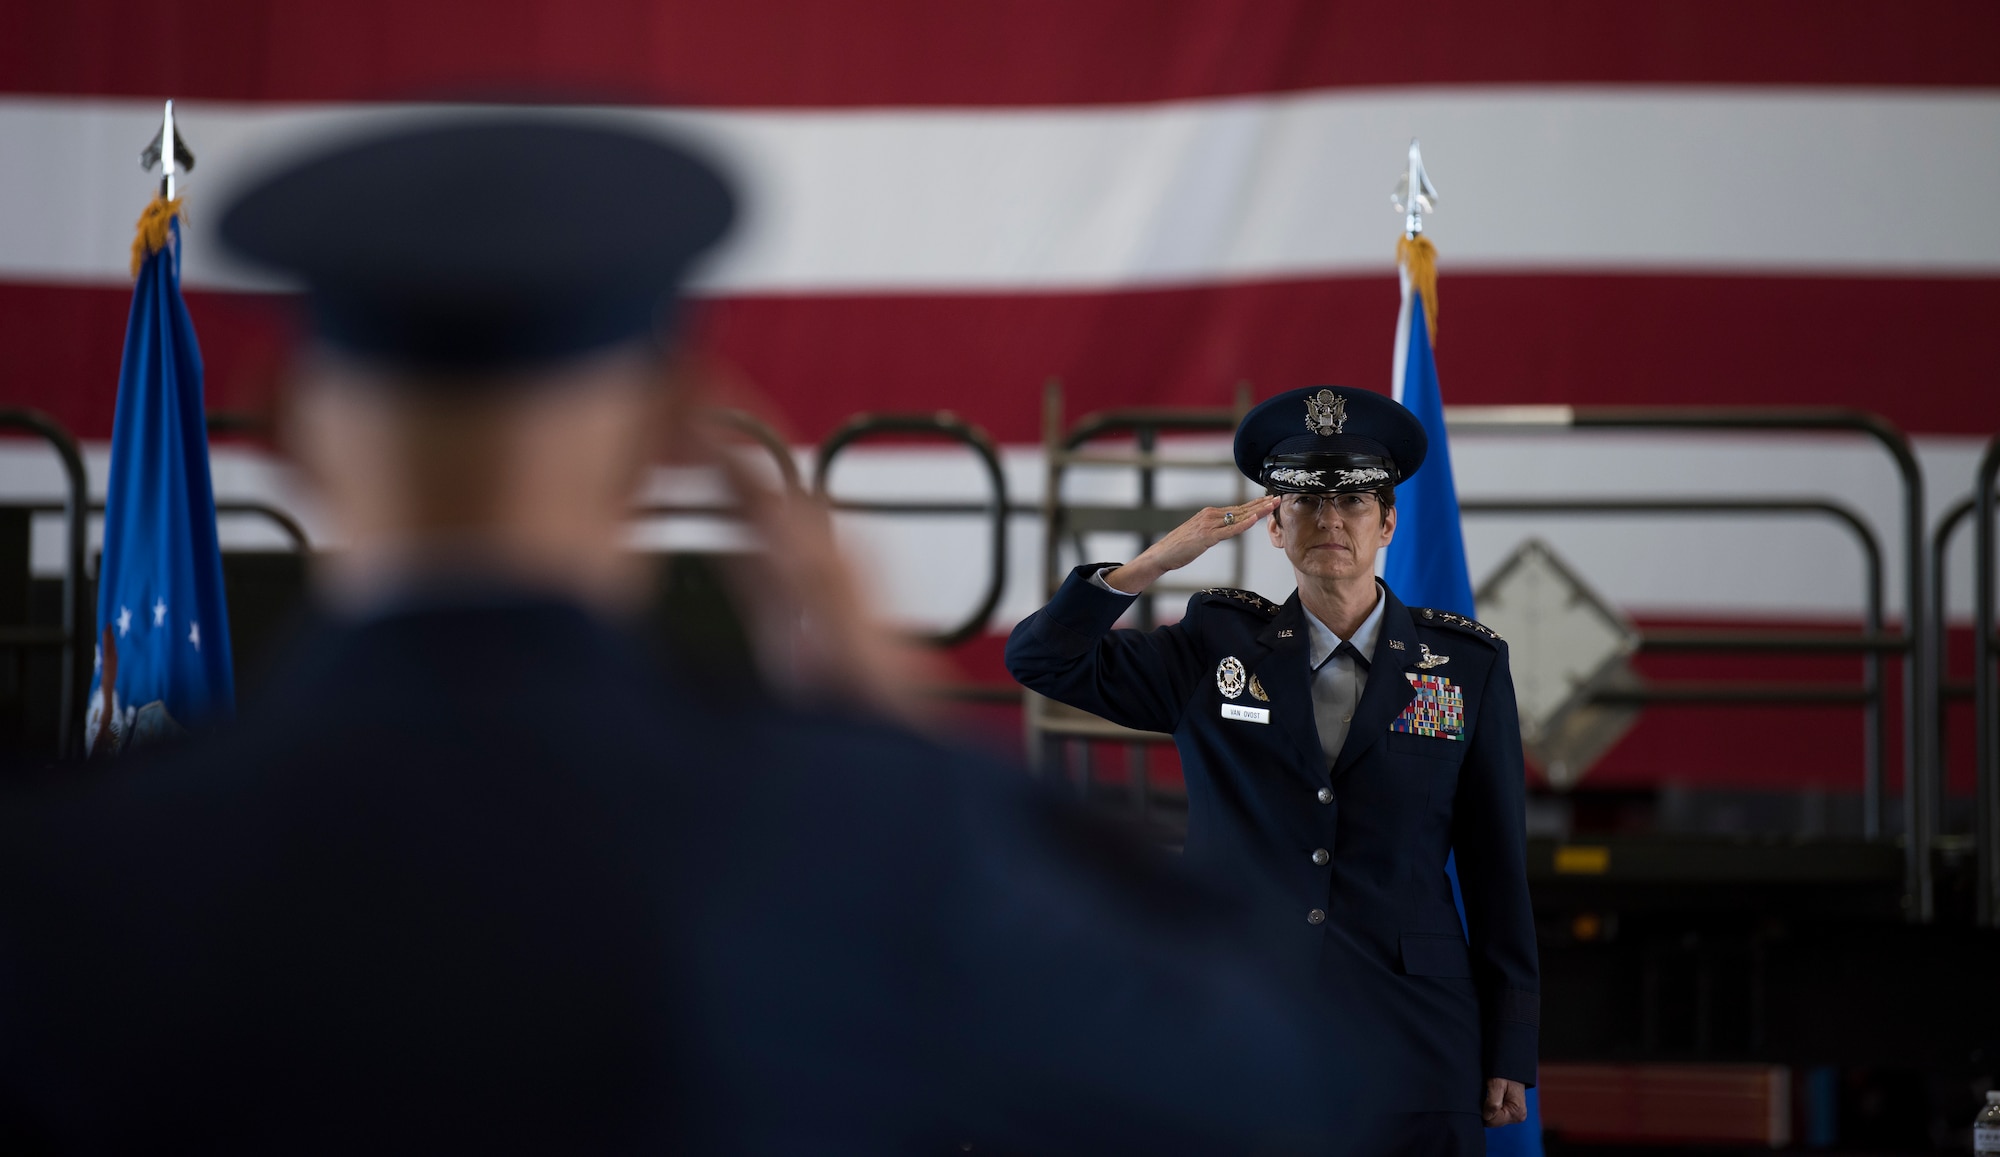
column 1682, row 202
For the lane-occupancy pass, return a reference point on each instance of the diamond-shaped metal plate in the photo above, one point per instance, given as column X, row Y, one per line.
column 1563, row 640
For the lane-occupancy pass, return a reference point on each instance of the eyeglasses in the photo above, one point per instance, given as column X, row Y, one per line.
column 1348, row 506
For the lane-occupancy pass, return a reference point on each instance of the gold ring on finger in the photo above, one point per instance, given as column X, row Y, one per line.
column 1228, row 518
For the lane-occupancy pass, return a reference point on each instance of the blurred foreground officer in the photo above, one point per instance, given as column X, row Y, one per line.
column 480, row 879
column 1337, row 749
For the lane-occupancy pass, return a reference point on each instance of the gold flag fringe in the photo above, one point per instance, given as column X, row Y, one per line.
column 153, row 230
column 1420, row 258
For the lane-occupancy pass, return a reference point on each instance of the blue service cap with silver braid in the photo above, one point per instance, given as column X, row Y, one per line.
column 1329, row 439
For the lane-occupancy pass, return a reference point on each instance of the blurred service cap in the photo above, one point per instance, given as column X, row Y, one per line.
column 497, row 241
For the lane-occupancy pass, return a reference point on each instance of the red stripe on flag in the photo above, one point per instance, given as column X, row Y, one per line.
column 1011, row 52
column 1910, row 349
column 63, row 344
column 1913, row 350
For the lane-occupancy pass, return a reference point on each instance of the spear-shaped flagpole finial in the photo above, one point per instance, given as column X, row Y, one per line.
column 1414, row 195
column 169, row 152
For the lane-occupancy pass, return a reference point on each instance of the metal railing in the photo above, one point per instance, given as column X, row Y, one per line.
column 758, row 432
column 71, row 638
column 1049, row 725
column 1921, row 784
column 67, row 639
column 1065, row 448
column 1983, row 689
column 293, row 530
column 996, row 507
column 1052, row 727
column 1986, row 688
column 71, row 707
column 1872, row 643
column 1949, row 691
column 1920, row 645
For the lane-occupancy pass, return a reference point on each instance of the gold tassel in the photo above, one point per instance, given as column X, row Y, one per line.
column 1420, row 258
column 153, row 231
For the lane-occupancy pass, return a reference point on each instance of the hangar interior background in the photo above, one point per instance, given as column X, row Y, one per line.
column 1683, row 206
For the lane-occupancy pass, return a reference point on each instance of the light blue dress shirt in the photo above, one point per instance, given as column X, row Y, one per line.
column 1337, row 679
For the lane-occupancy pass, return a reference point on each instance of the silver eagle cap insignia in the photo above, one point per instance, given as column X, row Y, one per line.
column 1429, row 660
column 1326, row 413
column 1230, row 677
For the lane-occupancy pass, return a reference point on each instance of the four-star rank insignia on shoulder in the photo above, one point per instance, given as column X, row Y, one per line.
column 1250, row 600
column 1432, row 617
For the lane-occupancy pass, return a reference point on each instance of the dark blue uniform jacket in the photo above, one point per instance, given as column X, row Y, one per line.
column 483, row 879
column 1375, row 922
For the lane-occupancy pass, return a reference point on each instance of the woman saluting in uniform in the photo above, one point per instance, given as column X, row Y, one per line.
column 1337, row 748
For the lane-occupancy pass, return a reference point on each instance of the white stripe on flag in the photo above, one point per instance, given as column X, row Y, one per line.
column 1188, row 192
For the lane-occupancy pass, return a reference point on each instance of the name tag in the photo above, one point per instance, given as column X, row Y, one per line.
column 1246, row 714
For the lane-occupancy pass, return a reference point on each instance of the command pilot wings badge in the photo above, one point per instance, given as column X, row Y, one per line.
column 1326, row 413
column 1429, row 660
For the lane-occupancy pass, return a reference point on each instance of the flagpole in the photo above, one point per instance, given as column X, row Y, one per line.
column 167, row 154
column 1416, row 264
column 1416, row 259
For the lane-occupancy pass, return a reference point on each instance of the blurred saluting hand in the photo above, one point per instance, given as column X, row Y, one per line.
column 817, row 634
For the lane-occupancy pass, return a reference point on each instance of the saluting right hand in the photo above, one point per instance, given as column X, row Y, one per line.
column 1189, row 541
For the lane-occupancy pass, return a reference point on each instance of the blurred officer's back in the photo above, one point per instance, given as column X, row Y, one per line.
column 478, row 876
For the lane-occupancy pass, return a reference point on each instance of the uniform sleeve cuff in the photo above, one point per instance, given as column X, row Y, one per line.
column 1098, row 580
column 1083, row 608
column 1511, row 1050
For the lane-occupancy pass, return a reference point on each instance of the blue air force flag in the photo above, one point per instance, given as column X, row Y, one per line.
column 1426, row 566
column 163, row 632
column 1426, row 563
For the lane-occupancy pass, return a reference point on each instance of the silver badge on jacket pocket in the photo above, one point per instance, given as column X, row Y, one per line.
column 1229, row 676
column 1247, row 714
